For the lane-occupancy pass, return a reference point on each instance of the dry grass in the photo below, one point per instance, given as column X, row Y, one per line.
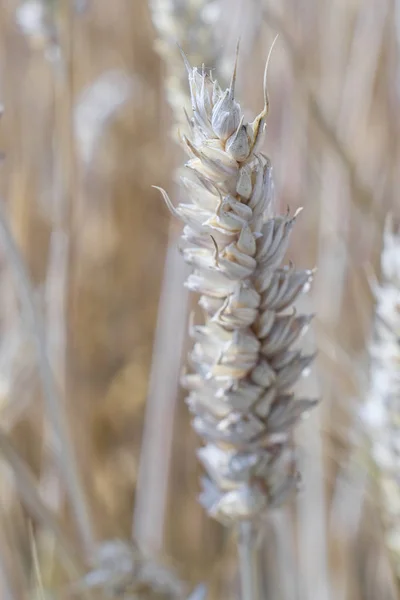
column 333, row 138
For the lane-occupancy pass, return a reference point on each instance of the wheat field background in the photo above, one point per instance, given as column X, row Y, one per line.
column 86, row 132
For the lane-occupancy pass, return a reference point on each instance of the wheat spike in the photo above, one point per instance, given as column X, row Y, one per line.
column 242, row 363
column 383, row 405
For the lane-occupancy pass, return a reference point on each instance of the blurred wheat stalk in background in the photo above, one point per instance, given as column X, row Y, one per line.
column 85, row 135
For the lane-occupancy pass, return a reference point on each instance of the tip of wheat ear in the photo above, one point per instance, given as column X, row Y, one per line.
column 244, row 361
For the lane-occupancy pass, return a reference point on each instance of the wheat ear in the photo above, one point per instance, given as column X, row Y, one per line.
column 383, row 404
column 242, row 362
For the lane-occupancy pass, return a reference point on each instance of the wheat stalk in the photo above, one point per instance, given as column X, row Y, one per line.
column 242, row 361
column 382, row 409
column 61, row 437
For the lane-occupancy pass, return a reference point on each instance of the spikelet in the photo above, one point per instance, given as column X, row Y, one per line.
column 243, row 365
column 383, row 405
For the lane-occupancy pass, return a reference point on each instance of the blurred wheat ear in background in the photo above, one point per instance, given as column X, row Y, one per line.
column 99, row 483
column 382, row 407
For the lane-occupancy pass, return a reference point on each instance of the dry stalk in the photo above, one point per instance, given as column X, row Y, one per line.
column 48, row 23
column 382, row 410
column 27, row 489
column 243, row 362
column 13, row 580
column 61, row 438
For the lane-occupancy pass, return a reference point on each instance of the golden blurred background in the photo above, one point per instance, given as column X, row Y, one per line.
column 92, row 93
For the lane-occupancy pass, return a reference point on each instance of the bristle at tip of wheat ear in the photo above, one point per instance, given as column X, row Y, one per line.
column 242, row 362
